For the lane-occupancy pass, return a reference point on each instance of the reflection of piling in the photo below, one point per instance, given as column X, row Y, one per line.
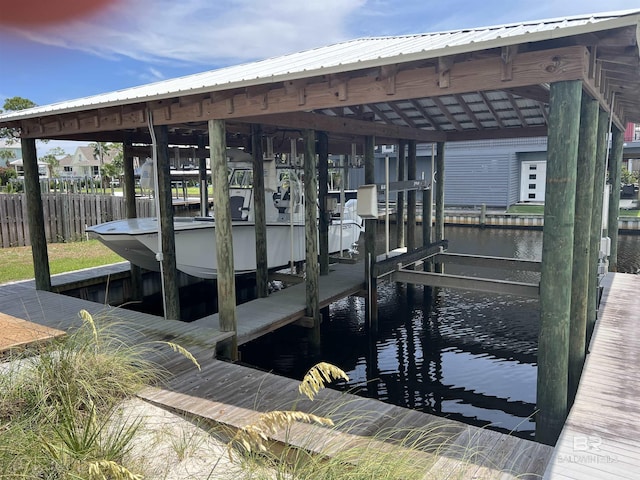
column 483, row 215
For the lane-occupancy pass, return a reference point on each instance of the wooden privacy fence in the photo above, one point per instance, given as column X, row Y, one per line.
column 65, row 215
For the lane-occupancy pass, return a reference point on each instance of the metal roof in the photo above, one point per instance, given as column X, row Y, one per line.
column 354, row 55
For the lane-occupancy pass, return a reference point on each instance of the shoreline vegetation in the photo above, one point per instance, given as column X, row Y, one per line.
column 69, row 410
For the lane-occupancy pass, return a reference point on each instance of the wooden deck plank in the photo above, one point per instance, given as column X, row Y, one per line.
column 600, row 438
column 245, row 393
column 17, row 333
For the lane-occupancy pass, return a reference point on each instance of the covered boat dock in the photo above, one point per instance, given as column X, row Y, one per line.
column 575, row 80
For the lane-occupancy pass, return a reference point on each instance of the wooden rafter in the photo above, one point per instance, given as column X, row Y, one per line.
column 445, row 111
column 469, row 112
column 492, row 110
column 516, row 109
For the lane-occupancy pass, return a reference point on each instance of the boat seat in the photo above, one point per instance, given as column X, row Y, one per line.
column 236, row 204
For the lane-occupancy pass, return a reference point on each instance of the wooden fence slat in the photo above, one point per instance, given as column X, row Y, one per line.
column 12, row 211
column 4, row 225
column 22, row 225
column 65, row 214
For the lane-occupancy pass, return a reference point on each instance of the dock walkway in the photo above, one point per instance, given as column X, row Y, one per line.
column 601, row 437
column 234, row 396
column 264, row 315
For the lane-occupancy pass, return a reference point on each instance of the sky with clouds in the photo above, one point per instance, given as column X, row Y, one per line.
column 133, row 42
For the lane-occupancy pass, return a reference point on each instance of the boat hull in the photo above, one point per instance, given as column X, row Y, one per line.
column 137, row 241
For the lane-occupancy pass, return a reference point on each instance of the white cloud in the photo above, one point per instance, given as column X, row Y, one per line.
column 204, row 31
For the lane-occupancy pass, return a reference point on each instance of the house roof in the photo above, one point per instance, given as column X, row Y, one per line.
column 611, row 74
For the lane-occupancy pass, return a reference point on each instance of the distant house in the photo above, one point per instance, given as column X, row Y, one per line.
column 84, row 163
column 9, row 152
column 43, row 168
column 497, row 173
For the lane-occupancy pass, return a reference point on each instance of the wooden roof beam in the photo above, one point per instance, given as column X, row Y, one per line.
column 529, row 68
column 343, row 125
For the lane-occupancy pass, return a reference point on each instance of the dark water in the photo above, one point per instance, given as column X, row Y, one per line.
column 467, row 356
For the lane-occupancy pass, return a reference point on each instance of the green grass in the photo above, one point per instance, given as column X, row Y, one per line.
column 17, row 262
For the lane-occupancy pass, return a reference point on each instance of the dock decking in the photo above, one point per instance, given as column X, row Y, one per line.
column 601, row 437
column 234, row 395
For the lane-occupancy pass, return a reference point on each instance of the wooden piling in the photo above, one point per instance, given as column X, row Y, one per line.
column 370, row 228
column 596, row 220
column 35, row 214
column 129, row 190
column 203, row 180
column 323, row 194
column 557, row 258
column 427, row 204
column 259, row 209
column 582, row 267
column 615, row 174
column 311, row 235
column 439, row 223
column 224, row 239
column 165, row 216
column 402, row 145
column 411, row 196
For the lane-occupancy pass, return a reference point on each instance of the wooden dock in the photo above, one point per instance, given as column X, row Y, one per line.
column 234, row 396
column 601, row 437
column 264, row 315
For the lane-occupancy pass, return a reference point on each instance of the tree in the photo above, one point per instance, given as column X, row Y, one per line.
column 52, row 161
column 13, row 104
column 5, row 156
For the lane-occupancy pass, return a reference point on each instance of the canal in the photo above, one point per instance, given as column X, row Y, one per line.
column 465, row 355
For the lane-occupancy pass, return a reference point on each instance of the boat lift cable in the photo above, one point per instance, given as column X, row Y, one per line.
column 159, row 256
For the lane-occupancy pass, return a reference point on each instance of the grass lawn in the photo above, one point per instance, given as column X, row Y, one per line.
column 17, row 262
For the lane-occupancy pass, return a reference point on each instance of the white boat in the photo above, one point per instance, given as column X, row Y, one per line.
column 136, row 239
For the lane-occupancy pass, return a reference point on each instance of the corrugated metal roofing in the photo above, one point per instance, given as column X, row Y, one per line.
column 346, row 56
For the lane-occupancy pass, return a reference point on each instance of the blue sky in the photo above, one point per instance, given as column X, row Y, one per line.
column 134, row 42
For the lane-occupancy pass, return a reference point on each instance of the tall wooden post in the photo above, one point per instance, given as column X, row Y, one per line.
column 439, row 224
column 311, row 235
column 615, row 173
column 165, row 215
column 557, row 258
column 370, row 228
column 224, row 239
column 402, row 146
column 596, row 220
column 130, row 207
column 202, row 175
column 582, row 267
column 427, row 204
column 323, row 193
column 260, row 216
column 411, row 196
column 35, row 213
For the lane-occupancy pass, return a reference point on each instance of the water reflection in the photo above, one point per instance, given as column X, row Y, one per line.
column 468, row 356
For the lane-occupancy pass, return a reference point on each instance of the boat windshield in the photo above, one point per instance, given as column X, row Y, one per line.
column 241, row 178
